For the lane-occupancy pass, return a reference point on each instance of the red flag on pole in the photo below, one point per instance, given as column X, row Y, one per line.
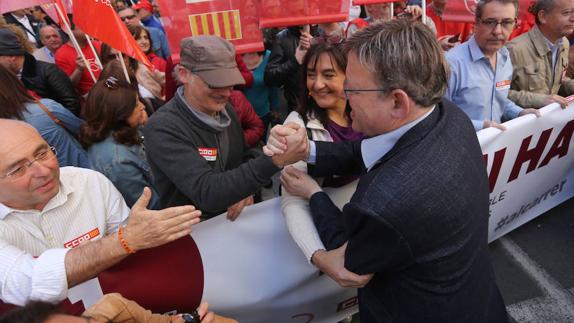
column 13, row 5
column 234, row 20
column 283, row 13
column 98, row 19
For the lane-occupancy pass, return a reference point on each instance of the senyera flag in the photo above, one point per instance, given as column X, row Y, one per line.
column 283, row 13
column 234, row 20
column 463, row 10
column 98, row 19
column 361, row 2
column 13, row 5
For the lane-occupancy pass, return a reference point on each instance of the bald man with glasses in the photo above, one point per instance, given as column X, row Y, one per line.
column 60, row 227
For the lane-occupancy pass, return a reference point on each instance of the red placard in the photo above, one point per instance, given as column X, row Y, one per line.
column 283, row 13
column 463, row 10
column 234, row 20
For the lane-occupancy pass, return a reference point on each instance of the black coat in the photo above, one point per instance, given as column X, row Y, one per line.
column 48, row 81
column 282, row 67
column 419, row 222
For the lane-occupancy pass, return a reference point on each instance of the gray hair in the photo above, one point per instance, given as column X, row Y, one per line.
column 541, row 5
column 482, row 3
column 403, row 55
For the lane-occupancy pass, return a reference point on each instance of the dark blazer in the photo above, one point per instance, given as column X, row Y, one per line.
column 33, row 22
column 419, row 222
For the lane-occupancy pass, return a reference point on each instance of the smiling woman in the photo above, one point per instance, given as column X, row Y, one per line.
column 325, row 113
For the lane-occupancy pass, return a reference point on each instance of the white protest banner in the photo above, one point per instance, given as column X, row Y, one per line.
column 254, row 272
column 530, row 167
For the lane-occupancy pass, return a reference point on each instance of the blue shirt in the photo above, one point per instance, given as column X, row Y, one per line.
column 68, row 151
column 480, row 91
column 126, row 167
column 262, row 97
column 153, row 21
column 159, row 42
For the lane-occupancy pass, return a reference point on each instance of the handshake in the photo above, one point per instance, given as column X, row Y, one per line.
column 287, row 144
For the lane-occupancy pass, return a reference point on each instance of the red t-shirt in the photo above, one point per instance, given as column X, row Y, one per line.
column 66, row 61
column 158, row 62
column 444, row 28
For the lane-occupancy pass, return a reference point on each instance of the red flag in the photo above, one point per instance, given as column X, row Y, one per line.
column 283, row 13
column 13, row 5
column 98, row 19
column 64, row 10
column 234, row 20
column 361, row 2
column 463, row 10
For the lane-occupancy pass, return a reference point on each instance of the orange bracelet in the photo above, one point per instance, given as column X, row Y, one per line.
column 123, row 241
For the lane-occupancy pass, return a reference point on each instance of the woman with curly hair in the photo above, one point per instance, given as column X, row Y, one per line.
column 113, row 114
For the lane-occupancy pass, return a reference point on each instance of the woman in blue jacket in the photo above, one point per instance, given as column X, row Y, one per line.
column 113, row 114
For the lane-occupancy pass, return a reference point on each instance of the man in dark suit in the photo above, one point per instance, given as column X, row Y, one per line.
column 415, row 232
column 27, row 23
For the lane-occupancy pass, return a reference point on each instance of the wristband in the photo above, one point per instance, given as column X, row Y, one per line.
column 123, row 241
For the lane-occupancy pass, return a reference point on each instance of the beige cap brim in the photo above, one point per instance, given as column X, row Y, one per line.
column 222, row 77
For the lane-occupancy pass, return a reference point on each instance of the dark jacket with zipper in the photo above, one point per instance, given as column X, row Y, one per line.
column 179, row 149
column 48, row 81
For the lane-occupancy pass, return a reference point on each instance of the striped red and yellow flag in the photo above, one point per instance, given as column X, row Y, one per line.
column 226, row 24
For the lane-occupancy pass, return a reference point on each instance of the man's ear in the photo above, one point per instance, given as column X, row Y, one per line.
column 402, row 104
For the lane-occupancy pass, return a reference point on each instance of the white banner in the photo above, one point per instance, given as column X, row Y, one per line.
column 254, row 271
column 530, row 167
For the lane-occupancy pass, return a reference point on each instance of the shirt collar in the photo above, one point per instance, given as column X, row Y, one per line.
column 552, row 46
column 373, row 149
column 60, row 198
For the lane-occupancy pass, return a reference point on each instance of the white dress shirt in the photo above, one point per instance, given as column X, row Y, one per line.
column 33, row 244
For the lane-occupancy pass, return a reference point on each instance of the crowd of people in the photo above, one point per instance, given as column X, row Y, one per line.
column 381, row 112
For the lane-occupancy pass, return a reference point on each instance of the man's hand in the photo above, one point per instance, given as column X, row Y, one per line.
column 332, row 263
column 80, row 64
column 414, row 10
column 445, row 44
column 148, row 228
column 287, row 144
column 530, row 111
column 556, row 99
column 304, row 44
column 492, row 124
column 234, row 210
column 298, row 183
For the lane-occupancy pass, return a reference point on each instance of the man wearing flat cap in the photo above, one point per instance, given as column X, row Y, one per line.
column 194, row 143
column 44, row 79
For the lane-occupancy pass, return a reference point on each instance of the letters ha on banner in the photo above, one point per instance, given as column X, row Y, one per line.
column 277, row 13
column 530, row 167
column 234, row 20
column 463, row 10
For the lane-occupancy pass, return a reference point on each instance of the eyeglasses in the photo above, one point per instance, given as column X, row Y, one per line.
column 130, row 17
column 349, row 92
column 492, row 23
column 20, row 170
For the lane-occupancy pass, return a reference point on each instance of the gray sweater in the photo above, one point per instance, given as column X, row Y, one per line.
column 180, row 148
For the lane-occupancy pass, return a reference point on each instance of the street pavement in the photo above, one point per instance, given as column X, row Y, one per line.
column 534, row 267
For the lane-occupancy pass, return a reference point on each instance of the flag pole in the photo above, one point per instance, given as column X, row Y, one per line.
column 124, row 67
column 75, row 43
column 96, row 55
column 424, row 3
column 392, row 10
